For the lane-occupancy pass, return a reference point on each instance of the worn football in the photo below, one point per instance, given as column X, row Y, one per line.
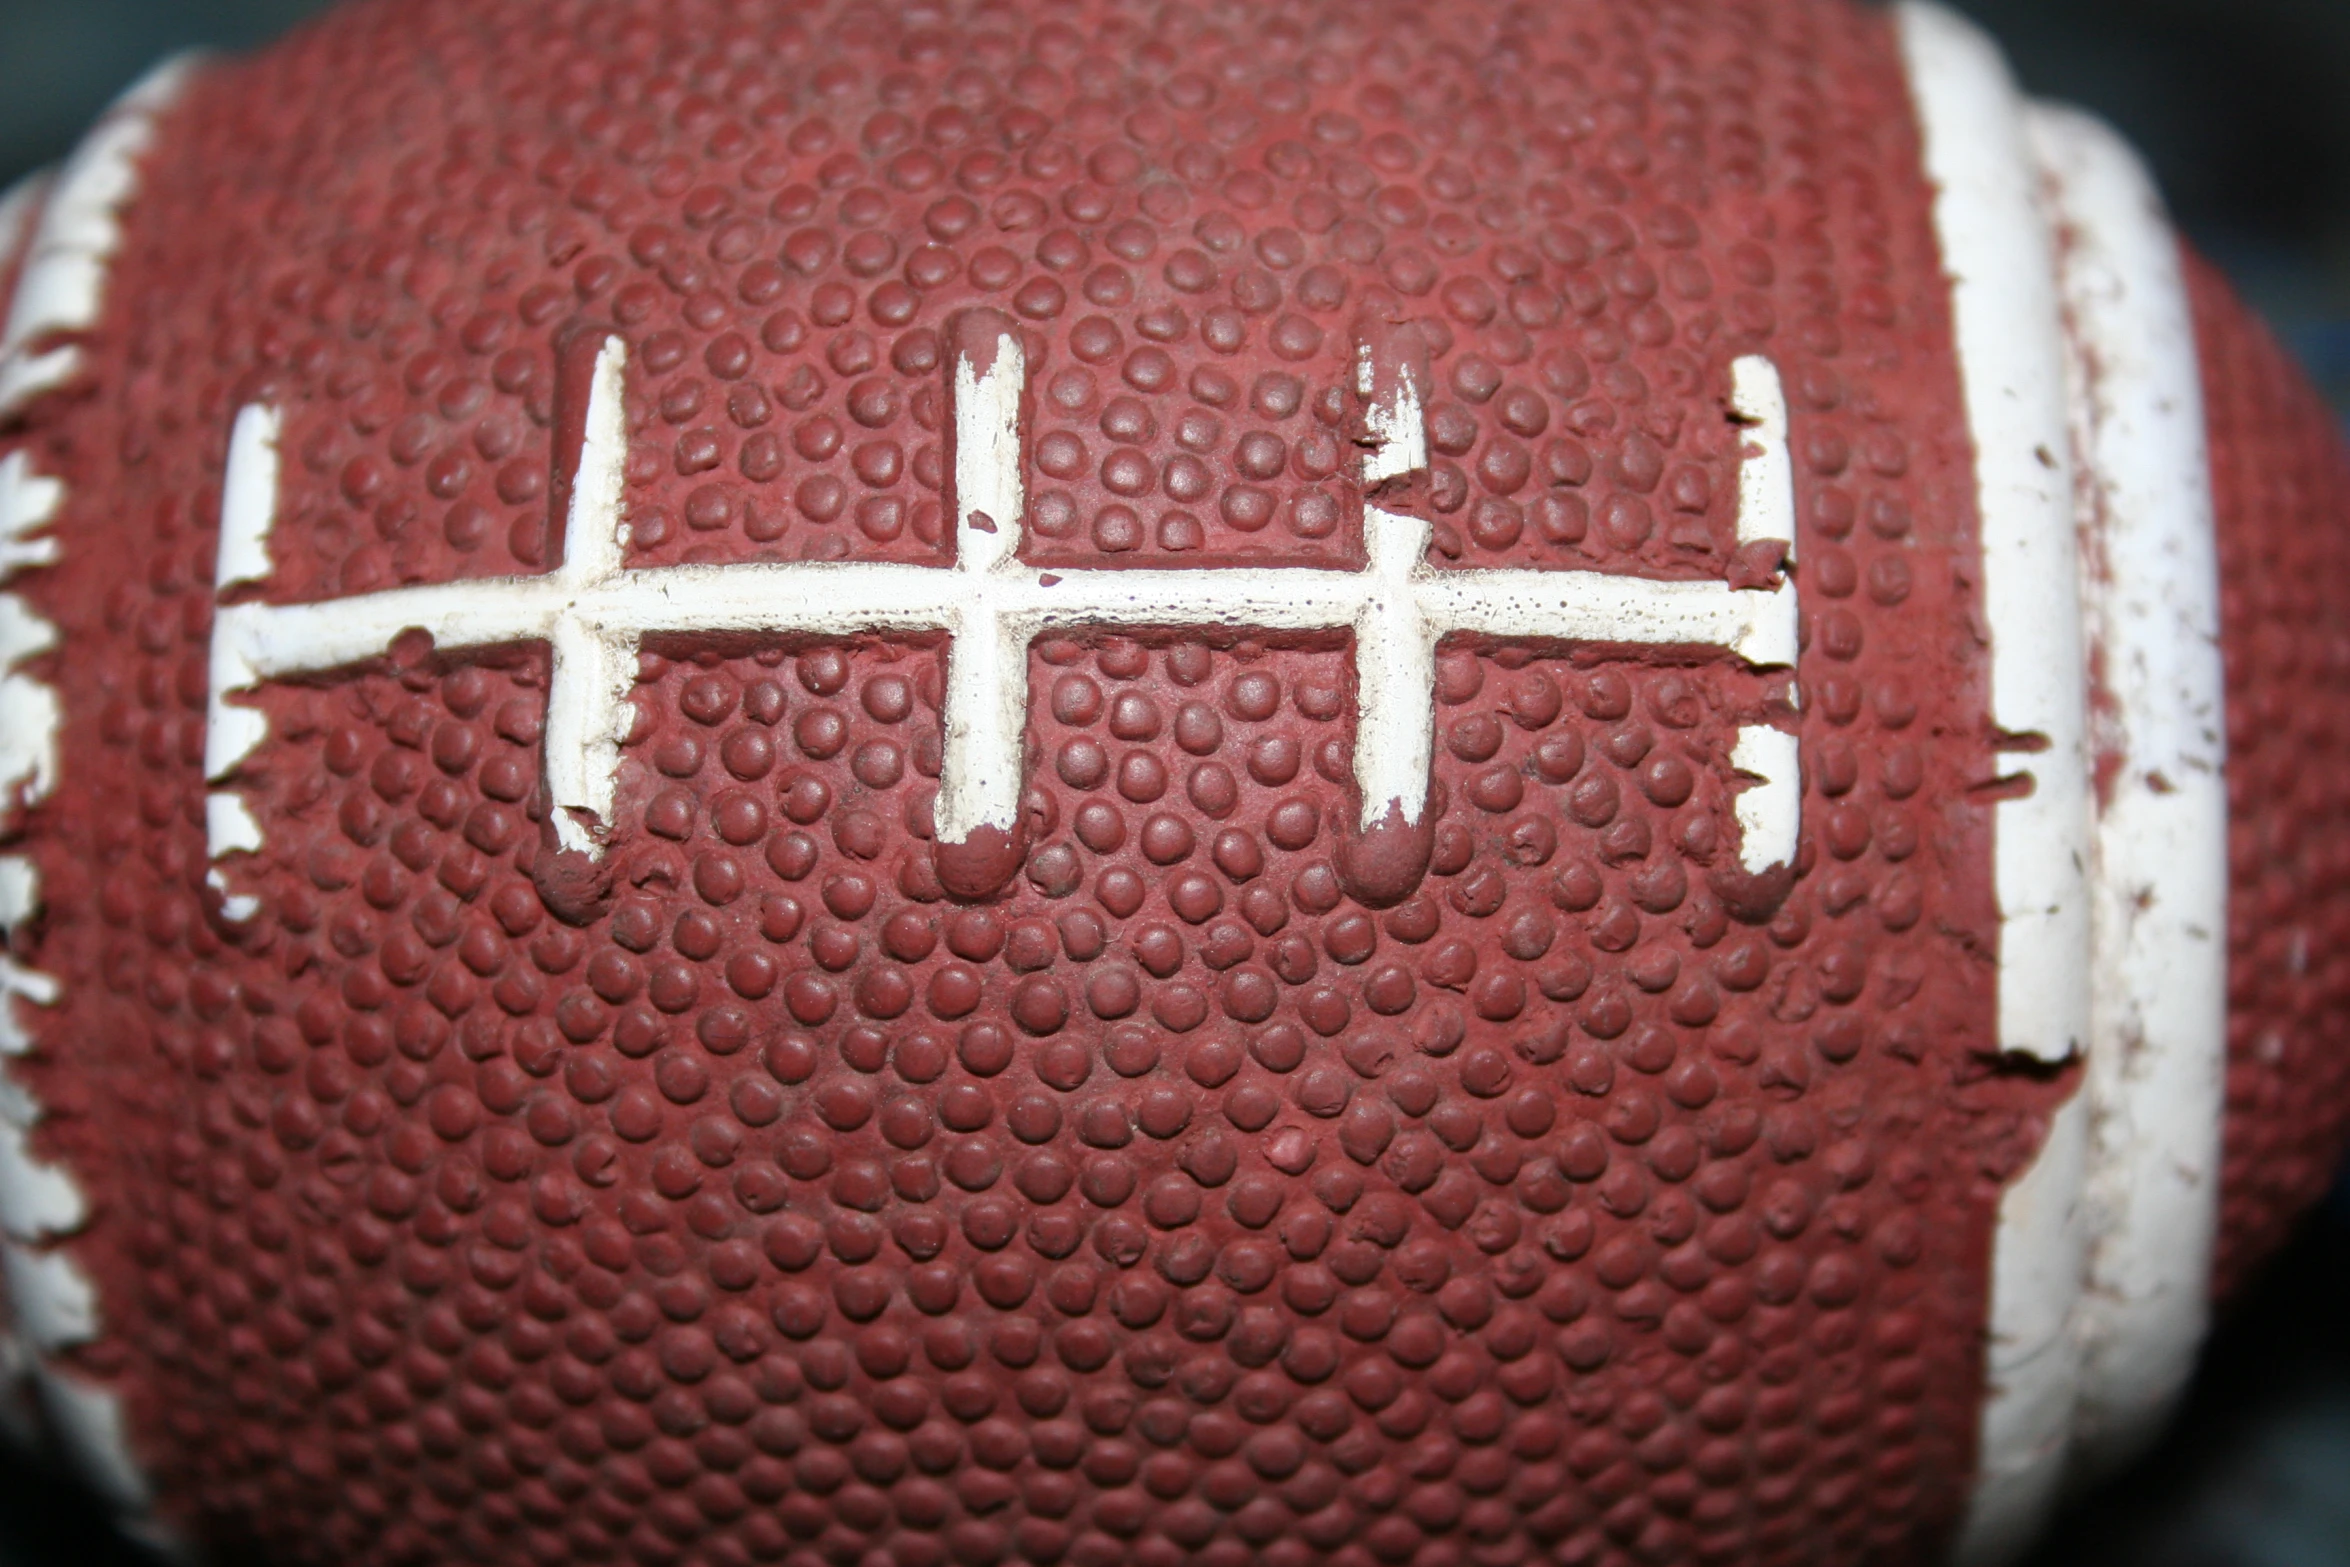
column 1073, row 782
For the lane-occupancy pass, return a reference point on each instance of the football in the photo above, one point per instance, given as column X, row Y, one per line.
column 1056, row 781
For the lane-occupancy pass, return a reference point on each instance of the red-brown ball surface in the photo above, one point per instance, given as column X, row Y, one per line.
column 1171, row 1205
column 2277, row 478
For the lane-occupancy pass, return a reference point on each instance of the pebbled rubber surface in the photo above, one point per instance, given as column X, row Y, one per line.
column 2278, row 475
column 1172, row 1206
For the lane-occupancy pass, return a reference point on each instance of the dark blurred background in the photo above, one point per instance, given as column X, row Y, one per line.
column 2243, row 106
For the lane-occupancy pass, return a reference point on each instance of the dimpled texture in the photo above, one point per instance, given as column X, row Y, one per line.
column 1169, row 1207
column 2277, row 473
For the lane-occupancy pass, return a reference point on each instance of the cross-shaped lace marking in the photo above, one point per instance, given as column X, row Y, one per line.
column 990, row 606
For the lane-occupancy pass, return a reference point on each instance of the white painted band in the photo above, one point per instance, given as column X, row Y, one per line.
column 2158, row 1015
column 2007, row 330
column 2083, row 391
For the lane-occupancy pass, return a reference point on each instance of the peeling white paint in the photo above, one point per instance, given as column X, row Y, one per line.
column 1770, row 814
column 2158, row 1038
column 53, row 1303
column 38, row 1201
column 2084, row 395
column 230, row 828
column 2002, row 265
column 1394, row 423
column 18, row 983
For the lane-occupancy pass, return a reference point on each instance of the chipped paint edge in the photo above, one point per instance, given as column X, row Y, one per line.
column 2057, row 243
column 2156, row 1080
column 2007, row 329
column 63, row 287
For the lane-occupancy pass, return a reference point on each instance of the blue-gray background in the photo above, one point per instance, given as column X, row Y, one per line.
column 2244, row 108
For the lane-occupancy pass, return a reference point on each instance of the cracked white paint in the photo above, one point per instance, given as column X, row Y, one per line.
column 2002, row 265
column 594, row 659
